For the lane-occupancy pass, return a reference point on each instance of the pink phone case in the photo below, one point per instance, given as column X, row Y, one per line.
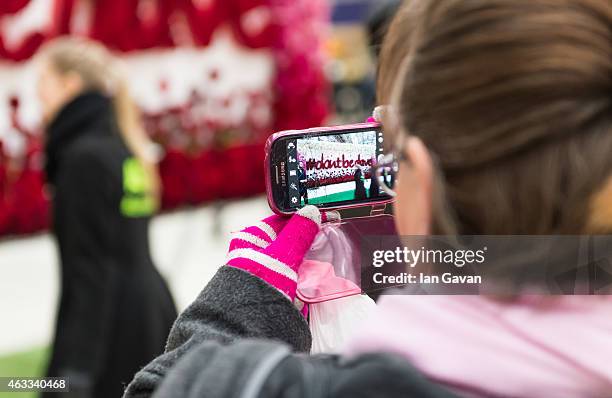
column 288, row 133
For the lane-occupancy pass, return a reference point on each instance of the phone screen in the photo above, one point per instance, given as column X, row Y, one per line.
column 328, row 169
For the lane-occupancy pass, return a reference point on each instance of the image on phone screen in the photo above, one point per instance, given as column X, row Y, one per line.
column 332, row 169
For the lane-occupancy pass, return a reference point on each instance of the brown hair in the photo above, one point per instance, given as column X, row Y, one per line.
column 101, row 71
column 514, row 101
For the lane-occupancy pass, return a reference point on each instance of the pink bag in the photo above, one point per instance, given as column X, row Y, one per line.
column 332, row 267
column 329, row 280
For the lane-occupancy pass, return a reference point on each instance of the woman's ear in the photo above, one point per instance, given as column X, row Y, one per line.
column 413, row 204
column 600, row 217
column 73, row 83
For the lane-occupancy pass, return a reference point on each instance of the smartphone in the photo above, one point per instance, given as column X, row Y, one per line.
column 329, row 167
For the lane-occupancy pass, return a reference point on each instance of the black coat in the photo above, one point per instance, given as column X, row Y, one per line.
column 242, row 338
column 115, row 309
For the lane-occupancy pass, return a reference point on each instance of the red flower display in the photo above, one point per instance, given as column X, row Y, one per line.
column 207, row 177
column 4, row 213
column 255, row 23
column 12, row 6
column 245, row 166
column 206, row 158
column 174, row 172
column 203, row 17
column 136, row 24
column 25, row 205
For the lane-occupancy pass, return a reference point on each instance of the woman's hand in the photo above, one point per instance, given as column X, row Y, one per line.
column 274, row 248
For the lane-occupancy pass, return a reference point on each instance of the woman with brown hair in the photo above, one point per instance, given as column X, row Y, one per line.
column 115, row 309
column 500, row 121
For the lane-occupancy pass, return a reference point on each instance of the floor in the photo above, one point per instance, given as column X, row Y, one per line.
column 187, row 246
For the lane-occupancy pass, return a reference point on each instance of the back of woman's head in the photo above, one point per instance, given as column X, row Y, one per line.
column 514, row 100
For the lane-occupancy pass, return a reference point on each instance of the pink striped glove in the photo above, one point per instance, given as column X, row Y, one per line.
column 274, row 249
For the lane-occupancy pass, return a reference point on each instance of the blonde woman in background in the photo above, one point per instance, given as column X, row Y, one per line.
column 115, row 309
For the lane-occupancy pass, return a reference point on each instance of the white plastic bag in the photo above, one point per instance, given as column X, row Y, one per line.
column 333, row 322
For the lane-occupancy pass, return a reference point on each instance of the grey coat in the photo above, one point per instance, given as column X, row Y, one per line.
column 242, row 338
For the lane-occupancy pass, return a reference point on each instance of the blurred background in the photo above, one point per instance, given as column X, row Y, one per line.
column 213, row 79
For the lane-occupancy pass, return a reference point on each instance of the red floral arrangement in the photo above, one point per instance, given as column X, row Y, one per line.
column 204, row 159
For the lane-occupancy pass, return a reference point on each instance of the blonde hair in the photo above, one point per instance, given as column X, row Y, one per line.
column 101, row 71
